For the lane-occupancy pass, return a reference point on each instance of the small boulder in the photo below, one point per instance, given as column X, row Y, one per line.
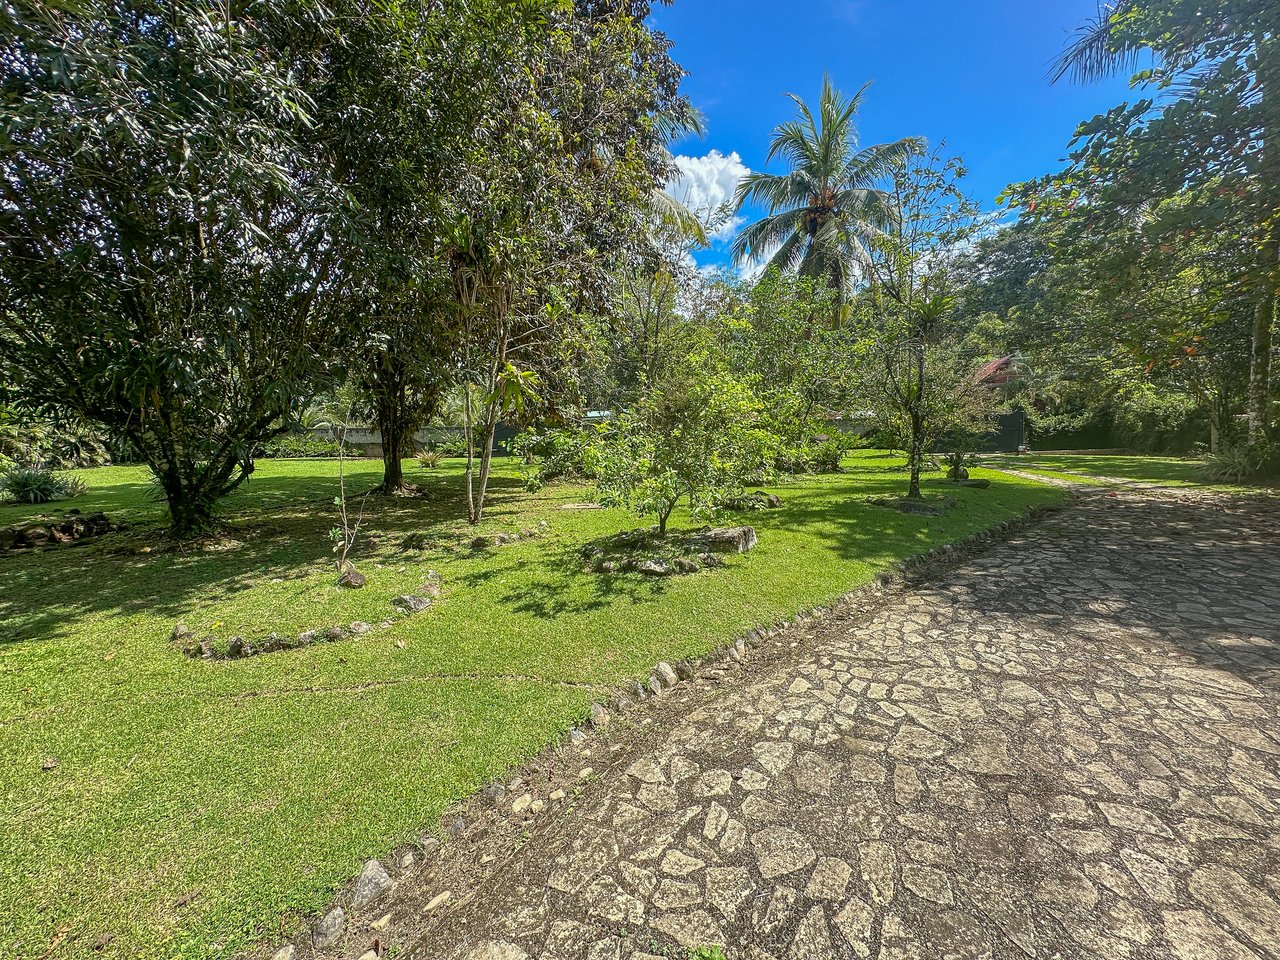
column 352, row 579
column 411, row 603
column 9, row 537
column 372, row 883
column 710, row 560
column 237, row 648
column 654, row 568
column 335, row 633
column 685, row 565
column 326, row 931
column 666, row 673
column 179, row 633
column 726, row 540
column 979, row 484
column 599, row 716
column 35, row 536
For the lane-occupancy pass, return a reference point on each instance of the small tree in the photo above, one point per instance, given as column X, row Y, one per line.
column 694, row 437
column 910, row 304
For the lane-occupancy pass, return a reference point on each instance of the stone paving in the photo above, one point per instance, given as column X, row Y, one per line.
column 1068, row 747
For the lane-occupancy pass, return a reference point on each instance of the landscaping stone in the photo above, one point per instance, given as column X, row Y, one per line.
column 653, row 568
column 979, row 484
column 757, row 500
column 286, row 952
column 725, row 540
column 372, row 883
column 599, row 716
column 360, row 627
column 666, row 673
column 494, row 793
column 352, row 579
column 327, row 931
column 411, row 603
column 685, row 565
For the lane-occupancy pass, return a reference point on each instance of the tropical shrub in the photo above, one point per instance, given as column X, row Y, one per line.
column 695, row 436
column 430, row 459
column 38, row 485
column 300, row 445
column 555, row 454
column 1240, row 463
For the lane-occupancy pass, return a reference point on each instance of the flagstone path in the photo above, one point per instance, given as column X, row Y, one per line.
column 1068, row 747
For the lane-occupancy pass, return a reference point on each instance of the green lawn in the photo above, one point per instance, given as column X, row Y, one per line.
column 1165, row 471
column 249, row 790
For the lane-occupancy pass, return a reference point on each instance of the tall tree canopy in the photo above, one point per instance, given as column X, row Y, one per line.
column 1210, row 132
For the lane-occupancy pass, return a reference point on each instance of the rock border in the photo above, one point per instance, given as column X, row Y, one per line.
column 366, row 905
column 238, row 648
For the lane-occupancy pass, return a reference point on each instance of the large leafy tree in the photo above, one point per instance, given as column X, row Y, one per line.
column 560, row 187
column 1212, row 127
column 825, row 209
column 167, row 255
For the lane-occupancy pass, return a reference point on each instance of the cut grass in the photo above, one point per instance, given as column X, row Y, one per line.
column 1163, row 471
column 248, row 791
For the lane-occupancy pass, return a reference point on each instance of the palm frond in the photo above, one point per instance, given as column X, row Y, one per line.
column 872, row 164
column 1092, row 53
column 673, row 215
column 764, row 236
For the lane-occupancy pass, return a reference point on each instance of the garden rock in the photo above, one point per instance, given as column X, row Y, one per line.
column 666, row 673
column 653, row 568
column 411, row 603
column 599, row 716
column 372, row 883
column 352, row 579
column 326, row 931
column 757, row 500
column 725, row 539
column 980, row 484
column 685, row 565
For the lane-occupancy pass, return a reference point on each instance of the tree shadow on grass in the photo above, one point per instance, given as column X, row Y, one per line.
column 278, row 529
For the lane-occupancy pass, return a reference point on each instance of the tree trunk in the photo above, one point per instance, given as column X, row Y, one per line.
column 1264, row 317
column 486, row 462
column 663, row 517
column 917, row 425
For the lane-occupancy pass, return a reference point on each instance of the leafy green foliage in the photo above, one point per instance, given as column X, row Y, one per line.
column 696, row 436
column 38, row 485
column 1243, row 462
column 295, row 445
column 169, row 230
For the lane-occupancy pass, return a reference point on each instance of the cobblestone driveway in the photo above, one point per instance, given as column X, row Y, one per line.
column 1069, row 747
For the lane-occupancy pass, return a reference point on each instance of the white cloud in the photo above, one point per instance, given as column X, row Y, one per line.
column 705, row 183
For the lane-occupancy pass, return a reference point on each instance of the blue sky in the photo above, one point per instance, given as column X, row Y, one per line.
column 970, row 72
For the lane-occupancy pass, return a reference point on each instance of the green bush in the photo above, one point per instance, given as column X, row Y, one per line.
column 301, row 445
column 38, row 485
column 1240, row 463
column 555, row 454
column 819, row 456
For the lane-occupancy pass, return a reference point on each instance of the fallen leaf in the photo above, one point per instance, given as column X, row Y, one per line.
column 400, row 644
column 50, row 763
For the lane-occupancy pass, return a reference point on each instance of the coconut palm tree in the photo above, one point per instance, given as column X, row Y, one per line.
column 823, row 212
